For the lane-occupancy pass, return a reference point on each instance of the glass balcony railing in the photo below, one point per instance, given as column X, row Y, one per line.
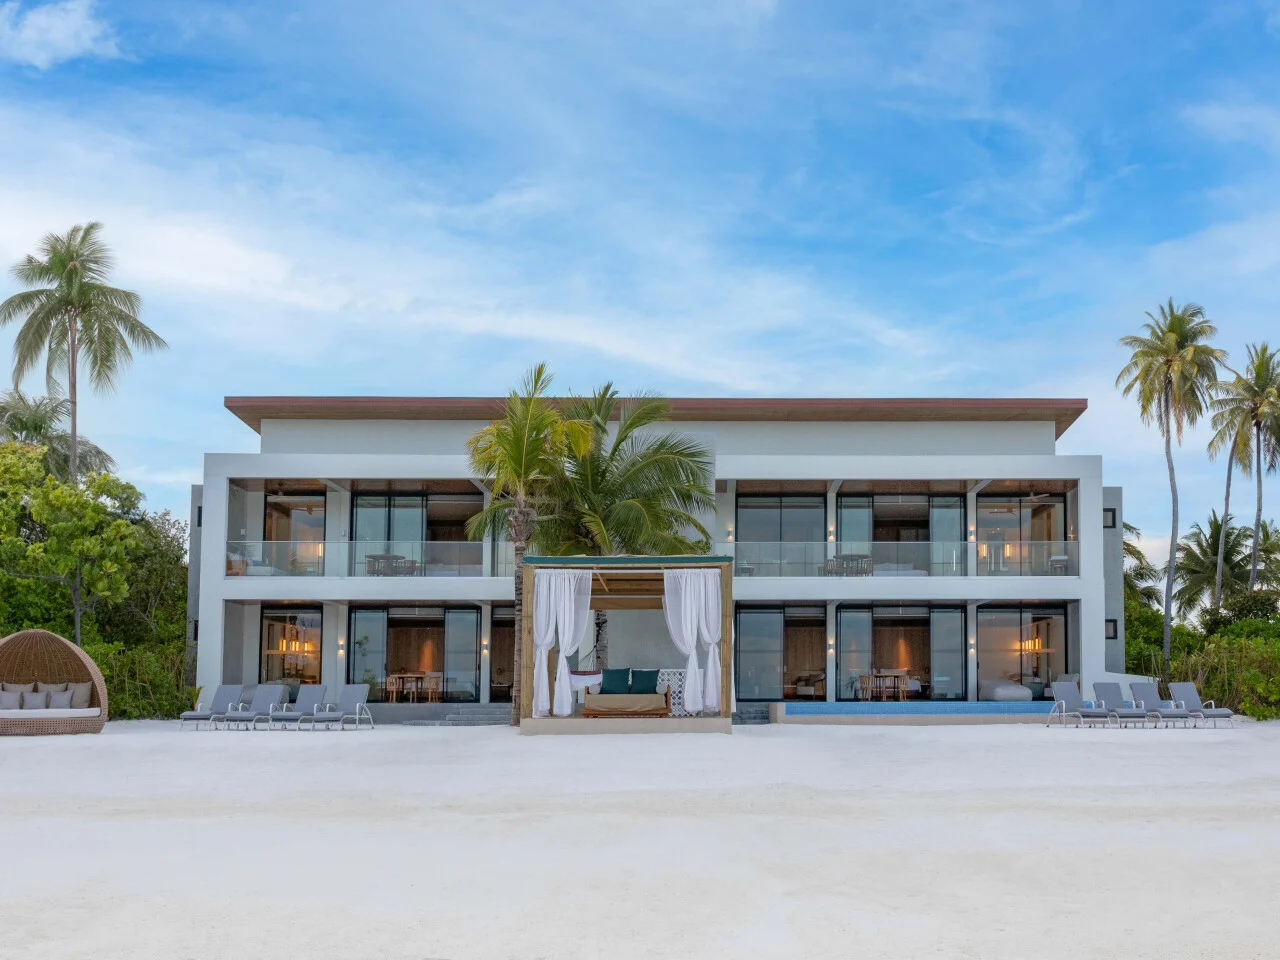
column 1029, row 558
column 849, row 559
column 395, row 558
column 276, row 558
column 413, row 558
column 504, row 558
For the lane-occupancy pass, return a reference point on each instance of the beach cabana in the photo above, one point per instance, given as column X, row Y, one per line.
column 38, row 671
column 686, row 639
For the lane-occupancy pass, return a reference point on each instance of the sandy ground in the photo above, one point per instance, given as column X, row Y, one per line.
column 912, row 842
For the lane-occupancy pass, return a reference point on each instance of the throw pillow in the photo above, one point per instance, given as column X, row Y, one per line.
column 34, row 701
column 10, row 701
column 81, row 693
column 18, row 687
column 644, row 681
column 50, row 687
column 60, row 700
column 615, row 681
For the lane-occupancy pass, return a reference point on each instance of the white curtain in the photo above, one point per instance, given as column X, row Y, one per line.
column 709, row 631
column 682, row 600
column 544, row 635
column 573, row 610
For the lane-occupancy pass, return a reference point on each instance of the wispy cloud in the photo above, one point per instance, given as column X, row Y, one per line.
column 45, row 35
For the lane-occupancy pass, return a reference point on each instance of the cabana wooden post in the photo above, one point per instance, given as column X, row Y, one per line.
column 626, row 583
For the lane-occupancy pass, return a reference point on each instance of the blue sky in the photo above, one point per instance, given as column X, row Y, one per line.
column 750, row 197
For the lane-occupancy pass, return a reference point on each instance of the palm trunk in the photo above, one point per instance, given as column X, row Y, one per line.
column 602, row 639
column 72, row 365
column 1257, row 516
column 1222, row 535
column 1171, row 570
column 518, row 547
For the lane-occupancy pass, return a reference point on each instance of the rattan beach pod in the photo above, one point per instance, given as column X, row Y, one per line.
column 40, row 656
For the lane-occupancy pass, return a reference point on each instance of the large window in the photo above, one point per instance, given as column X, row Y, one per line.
column 901, row 653
column 781, row 536
column 290, row 649
column 414, row 535
column 502, row 653
column 293, row 531
column 1026, row 645
column 416, row 654
column 901, row 534
column 782, row 653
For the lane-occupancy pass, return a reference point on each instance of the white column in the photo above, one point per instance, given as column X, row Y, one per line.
column 333, row 643
column 251, row 649
column 832, row 679
column 832, row 487
column 971, row 529
column 1092, row 629
column 213, row 571
column 486, row 631
column 971, row 645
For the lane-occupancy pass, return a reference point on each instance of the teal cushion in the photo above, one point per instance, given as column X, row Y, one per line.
column 615, row 681
column 644, row 681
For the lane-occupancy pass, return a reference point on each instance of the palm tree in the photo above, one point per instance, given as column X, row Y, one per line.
column 1198, row 562
column 40, row 421
column 1234, row 436
column 70, row 309
column 1140, row 574
column 517, row 457
column 1247, row 410
column 1173, row 369
column 629, row 490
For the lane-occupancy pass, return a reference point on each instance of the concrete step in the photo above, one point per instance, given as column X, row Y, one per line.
column 751, row 714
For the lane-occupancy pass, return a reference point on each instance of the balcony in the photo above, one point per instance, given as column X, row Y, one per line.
column 393, row 558
column 1029, row 558
column 852, row 559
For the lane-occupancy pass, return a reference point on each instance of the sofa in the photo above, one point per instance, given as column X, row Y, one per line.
column 628, row 693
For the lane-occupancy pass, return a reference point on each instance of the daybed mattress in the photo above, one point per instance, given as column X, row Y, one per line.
column 50, row 714
column 625, row 703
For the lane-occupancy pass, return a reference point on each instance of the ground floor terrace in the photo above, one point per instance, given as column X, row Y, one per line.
column 1003, row 843
column 420, row 655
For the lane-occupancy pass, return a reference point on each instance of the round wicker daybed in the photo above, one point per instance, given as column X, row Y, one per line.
column 40, row 656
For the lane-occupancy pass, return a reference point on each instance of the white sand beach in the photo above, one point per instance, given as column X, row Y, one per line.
column 912, row 842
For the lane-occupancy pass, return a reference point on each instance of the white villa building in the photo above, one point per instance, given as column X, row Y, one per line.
column 942, row 544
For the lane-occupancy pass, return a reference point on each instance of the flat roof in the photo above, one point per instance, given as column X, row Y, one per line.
column 1062, row 412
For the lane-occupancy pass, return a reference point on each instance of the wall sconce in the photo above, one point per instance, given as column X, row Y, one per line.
column 730, row 536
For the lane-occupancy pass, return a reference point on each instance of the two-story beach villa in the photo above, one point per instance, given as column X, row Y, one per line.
column 912, row 551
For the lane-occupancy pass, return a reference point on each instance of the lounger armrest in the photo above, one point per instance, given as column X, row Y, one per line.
column 1138, row 705
column 1209, row 704
column 1130, row 705
column 1093, row 704
column 1179, row 704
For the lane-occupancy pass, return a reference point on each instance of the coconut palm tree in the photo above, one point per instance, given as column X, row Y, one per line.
column 1236, row 438
column 1173, row 369
column 71, row 310
column 630, row 490
column 517, row 457
column 1247, row 411
column 1198, row 563
column 1140, row 574
column 41, row 421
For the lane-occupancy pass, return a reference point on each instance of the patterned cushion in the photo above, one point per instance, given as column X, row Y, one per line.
column 34, row 701
column 60, row 700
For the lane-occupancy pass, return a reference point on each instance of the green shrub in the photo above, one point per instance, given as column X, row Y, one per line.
column 143, row 682
column 1239, row 668
column 1252, row 605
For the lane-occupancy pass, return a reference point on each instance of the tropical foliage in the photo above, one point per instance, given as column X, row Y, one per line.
column 70, row 312
column 1140, row 574
column 42, row 422
column 1172, row 369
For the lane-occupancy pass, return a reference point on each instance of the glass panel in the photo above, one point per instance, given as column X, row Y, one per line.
column 759, row 520
column 407, row 520
column 447, row 515
column 1044, row 518
column 502, row 653
column 290, row 651
column 946, row 655
column 853, row 520
column 805, row 656
column 948, row 555
column 367, row 652
column 294, row 518
column 900, row 652
column 853, row 651
column 462, row 655
column 1043, row 649
column 999, row 646
column 759, row 644
column 901, row 519
column 803, row 520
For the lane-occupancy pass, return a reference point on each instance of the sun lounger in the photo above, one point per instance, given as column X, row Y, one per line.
column 351, row 706
column 1069, row 703
column 1189, row 697
column 1122, row 710
column 1147, row 696
column 310, row 699
column 265, row 698
column 224, row 698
